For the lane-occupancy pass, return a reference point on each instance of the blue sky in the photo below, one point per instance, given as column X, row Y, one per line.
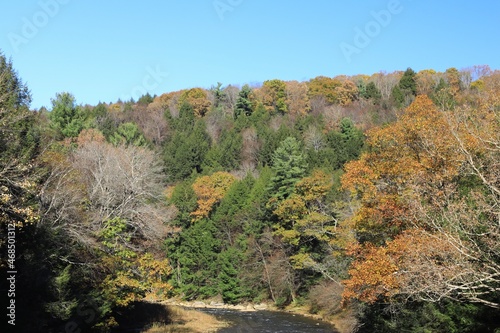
column 105, row 50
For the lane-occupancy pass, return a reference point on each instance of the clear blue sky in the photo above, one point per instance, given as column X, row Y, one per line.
column 105, row 50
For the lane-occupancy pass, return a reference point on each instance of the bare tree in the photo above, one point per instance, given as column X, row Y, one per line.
column 458, row 248
column 99, row 182
column 231, row 97
column 250, row 149
column 313, row 138
column 152, row 122
column 385, row 82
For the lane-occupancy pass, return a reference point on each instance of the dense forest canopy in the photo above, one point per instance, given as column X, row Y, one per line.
column 372, row 198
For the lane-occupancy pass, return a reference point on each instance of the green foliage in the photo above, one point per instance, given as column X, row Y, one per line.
column 234, row 202
column 361, row 85
column 99, row 111
column 445, row 317
column 243, row 103
column 274, row 99
column 193, row 254
column 225, row 156
column 273, row 234
column 339, row 147
column 372, row 92
column 406, row 90
column 185, row 152
column 145, row 99
column 398, row 96
column 219, row 95
column 184, row 199
column 352, row 139
column 231, row 288
column 185, row 121
column 271, row 140
column 113, row 235
column 67, row 117
column 289, row 166
column 15, row 94
column 63, row 307
column 104, row 121
column 128, row 134
column 442, row 95
column 407, row 83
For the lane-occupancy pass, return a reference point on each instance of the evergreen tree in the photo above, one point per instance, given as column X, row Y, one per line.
column 289, row 166
column 67, row 117
column 373, row 93
column 128, row 134
column 230, row 285
column 184, row 199
column 193, row 255
column 14, row 93
column 406, row 90
column 186, row 152
column 145, row 99
column 407, row 83
column 219, row 95
column 352, row 139
column 185, row 121
column 243, row 104
column 361, row 85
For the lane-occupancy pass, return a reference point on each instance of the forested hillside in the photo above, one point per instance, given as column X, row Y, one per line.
column 375, row 199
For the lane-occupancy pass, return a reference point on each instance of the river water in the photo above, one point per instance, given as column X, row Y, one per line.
column 268, row 322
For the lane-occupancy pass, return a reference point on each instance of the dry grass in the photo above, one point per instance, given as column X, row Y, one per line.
column 345, row 321
column 187, row 321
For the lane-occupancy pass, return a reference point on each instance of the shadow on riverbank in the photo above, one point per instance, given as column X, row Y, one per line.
column 148, row 317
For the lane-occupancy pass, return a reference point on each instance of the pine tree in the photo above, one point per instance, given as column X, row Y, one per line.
column 243, row 104
column 67, row 117
column 289, row 165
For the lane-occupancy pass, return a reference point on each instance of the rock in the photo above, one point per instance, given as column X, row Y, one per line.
column 260, row 306
column 238, row 307
column 217, row 305
column 199, row 304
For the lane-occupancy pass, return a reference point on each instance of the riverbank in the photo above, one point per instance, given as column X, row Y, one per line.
column 343, row 321
column 184, row 320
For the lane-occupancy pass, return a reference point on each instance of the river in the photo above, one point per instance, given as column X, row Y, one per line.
column 268, row 322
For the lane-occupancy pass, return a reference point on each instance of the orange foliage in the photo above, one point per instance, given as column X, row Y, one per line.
column 359, row 178
column 417, row 236
column 297, row 99
column 406, row 265
column 346, row 93
column 90, row 135
column 372, row 276
column 210, row 190
column 325, row 87
column 315, row 186
column 303, row 213
column 198, row 99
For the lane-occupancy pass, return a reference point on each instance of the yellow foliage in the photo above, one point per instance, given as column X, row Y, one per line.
column 198, row 99
column 315, row 186
column 210, row 190
column 302, row 214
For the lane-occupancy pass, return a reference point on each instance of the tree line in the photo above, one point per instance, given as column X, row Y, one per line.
column 370, row 198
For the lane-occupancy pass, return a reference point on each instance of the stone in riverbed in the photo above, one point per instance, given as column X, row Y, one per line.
column 261, row 306
column 217, row 305
column 199, row 304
